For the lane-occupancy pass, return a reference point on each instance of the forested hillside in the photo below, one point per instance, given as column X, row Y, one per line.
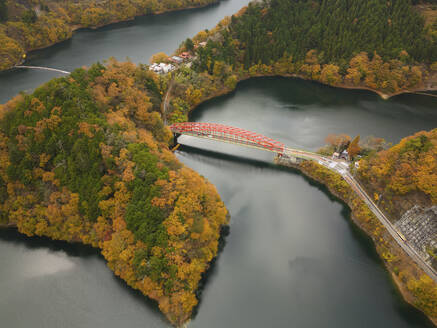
column 85, row 158
column 404, row 175
column 336, row 29
column 380, row 45
column 31, row 24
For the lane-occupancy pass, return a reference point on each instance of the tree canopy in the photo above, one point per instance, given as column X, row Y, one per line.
column 3, row 11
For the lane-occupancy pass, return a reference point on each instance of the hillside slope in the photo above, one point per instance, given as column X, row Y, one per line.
column 85, row 158
column 404, row 175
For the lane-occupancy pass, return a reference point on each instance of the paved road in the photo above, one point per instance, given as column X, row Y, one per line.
column 342, row 168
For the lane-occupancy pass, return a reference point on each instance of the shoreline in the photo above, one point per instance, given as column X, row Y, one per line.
column 8, row 226
column 225, row 90
column 383, row 95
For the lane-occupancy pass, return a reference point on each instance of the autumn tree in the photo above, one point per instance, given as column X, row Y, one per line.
column 338, row 141
column 354, row 149
column 330, row 74
column 159, row 57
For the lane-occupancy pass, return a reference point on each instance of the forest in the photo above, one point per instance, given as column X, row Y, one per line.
column 336, row 29
column 32, row 24
column 85, row 158
column 383, row 46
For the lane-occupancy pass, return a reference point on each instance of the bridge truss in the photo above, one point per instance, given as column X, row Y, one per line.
column 228, row 134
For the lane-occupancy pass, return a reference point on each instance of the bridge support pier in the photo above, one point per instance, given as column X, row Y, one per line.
column 175, row 138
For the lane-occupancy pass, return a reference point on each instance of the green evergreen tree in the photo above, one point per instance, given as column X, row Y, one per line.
column 3, row 11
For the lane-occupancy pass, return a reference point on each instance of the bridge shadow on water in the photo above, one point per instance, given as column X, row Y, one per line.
column 407, row 311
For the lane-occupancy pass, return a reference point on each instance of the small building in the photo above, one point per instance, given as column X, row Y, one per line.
column 202, row 44
column 335, row 155
column 161, row 68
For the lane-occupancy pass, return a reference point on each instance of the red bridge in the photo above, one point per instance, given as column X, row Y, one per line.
column 228, row 134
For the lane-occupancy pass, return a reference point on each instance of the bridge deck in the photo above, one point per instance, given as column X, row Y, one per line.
column 228, row 134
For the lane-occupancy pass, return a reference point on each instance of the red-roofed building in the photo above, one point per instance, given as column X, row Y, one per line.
column 185, row 55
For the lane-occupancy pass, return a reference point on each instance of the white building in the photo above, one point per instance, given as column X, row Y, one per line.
column 161, row 68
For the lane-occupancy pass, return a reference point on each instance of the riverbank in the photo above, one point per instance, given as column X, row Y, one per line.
column 193, row 87
column 402, row 269
column 383, row 95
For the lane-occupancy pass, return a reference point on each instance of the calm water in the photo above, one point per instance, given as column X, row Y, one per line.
column 292, row 258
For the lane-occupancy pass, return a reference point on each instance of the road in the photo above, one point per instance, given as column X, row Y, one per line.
column 342, row 168
column 165, row 102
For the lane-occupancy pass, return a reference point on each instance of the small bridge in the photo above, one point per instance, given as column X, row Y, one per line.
column 44, row 69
